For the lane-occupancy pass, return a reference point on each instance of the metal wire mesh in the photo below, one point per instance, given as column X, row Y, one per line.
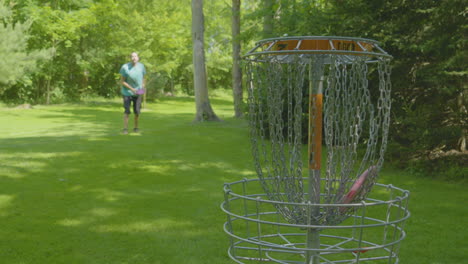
column 372, row 233
column 276, row 117
column 355, row 126
column 319, row 113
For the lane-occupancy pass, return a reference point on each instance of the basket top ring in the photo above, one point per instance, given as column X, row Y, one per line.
column 284, row 47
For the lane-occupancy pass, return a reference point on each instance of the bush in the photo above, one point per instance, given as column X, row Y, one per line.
column 451, row 167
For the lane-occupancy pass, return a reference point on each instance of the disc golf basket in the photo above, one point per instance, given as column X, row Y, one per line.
column 337, row 89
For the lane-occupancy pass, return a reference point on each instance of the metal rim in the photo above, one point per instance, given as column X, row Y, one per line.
column 378, row 227
column 396, row 202
column 310, row 45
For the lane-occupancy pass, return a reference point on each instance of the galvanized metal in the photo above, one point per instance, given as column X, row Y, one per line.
column 259, row 233
column 349, row 48
column 351, row 117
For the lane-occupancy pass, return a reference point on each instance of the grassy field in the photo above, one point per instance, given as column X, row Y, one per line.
column 74, row 190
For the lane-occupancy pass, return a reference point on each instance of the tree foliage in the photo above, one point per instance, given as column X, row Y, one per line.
column 17, row 60
column 89, row 40
column 429, row 76
column 427, row 39
column 70, row 49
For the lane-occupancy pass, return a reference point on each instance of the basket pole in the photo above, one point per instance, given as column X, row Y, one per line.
column 314, row 158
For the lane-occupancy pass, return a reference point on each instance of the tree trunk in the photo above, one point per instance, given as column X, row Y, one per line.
column 51, row 73
column 203, row 106
column 236, row 69
column 172, row 87
column 48, row 91
column 268, row 18
column 461, row 103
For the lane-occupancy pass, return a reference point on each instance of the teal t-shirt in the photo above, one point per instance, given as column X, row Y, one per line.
column 133, row 75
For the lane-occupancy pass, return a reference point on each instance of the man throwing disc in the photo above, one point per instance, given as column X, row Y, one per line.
column 132, row 78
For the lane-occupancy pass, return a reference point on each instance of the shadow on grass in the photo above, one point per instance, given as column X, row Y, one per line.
column 96, row 196
column 77, row 191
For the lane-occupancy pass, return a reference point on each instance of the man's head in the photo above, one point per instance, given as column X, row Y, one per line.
column 134, row 57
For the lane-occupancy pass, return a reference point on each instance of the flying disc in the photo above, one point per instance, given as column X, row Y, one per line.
column 140, row 91
column 356, row 188
column 361, row 251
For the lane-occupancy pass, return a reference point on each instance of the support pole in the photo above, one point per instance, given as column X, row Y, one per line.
column 314, row 157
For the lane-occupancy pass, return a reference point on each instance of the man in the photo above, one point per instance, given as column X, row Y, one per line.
column 132, row 78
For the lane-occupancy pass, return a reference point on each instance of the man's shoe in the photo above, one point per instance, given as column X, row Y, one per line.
column 125, row 131
column 136, row 130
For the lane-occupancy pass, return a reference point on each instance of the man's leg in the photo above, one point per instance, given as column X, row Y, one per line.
column 136, row 111
column 136, row 123
column 127, row 101
column 125, row 121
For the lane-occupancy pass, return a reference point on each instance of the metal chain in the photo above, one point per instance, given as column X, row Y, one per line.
column 355, row 127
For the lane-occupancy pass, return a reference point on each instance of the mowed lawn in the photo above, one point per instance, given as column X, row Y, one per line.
column 74, row 190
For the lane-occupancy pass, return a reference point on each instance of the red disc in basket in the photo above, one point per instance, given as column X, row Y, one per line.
column 361, row 251
column 349, row 197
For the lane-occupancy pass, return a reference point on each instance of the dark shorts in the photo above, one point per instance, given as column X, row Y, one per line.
column 135, row 100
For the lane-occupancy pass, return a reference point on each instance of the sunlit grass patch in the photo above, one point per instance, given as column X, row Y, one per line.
column 74, row 190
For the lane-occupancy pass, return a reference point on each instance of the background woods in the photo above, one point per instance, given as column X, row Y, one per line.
column 67, row 50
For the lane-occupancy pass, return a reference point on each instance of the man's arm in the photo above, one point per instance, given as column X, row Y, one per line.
column 124, row 83
column 144, row 77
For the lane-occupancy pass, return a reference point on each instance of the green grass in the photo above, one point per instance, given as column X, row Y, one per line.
column 74, row 190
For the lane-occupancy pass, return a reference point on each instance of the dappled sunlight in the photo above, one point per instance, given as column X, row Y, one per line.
column 19, row 165
column 38, row 155
column 102, row 212
column 6, row 201
column 218, row 165
column 194, row 189
column 98, row 138
column 154, row 226
column 73, row 129
column 224, row 169
column 164, row 166
column 12, row 172
column 72, row 179
column 76, row 188
column 108, row 195
column 156, row 168
column 229, row 169
column 186, row 167
column 91, row 216
column 52, row 121
column 241, row 173
column 73, row 222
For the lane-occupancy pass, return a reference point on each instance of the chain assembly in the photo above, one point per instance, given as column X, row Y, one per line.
column 342, row 113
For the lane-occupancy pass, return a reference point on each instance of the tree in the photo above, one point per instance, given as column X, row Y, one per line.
column 429, row 76
column 204, row 111
column 236, row 69
column 58, row 26
column 268, row 18
column 16, row 61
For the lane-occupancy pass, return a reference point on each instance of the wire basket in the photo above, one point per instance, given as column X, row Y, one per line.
column 341, row 88
column 258, row 233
